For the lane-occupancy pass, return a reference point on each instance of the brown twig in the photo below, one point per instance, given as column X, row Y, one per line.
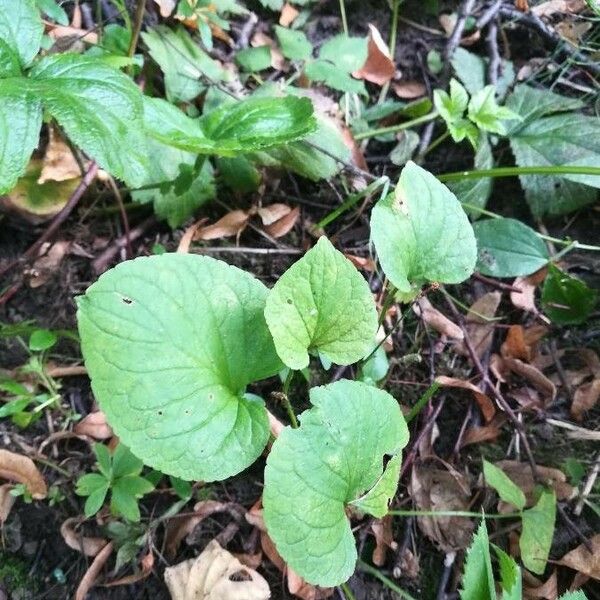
column 587, row 488
column 137, row 26
column 497, row 284
column 495, row 64
column 119, row 198
column 488, row 15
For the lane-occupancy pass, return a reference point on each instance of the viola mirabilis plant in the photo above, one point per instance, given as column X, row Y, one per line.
column 173, row 342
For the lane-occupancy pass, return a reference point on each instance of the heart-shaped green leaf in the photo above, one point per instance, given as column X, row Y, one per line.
column 422, row 234
column 508, row 248
column 333, row 459
column 21, row 28
column 100, row 109
column 321, row 304
column 538, row 531
column 170, row 343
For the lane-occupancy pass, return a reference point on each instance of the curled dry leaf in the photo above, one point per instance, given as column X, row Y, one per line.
column 16, row 467
column 6, row 501
column 215, row 575
column 582, row 560
column 273, row 212
column 520, row 474
column 69, row 36
column 585, row 398
column 50, row 258
column 448, row 22
column 166, row 7
column 146, row 564
column 409, row 90
column 479, row 326
column 364, row 263
column 379, row 67
column 90, row 546
column 533, row 588
column 433, row 317
column 288, row 15
column 233, row 223
column 551, row 7
column 534, row 376
column 487, row 407
column 95, row 426
column 514, row 346
column 477, row 435
column 434, row 489
column 284, row 225
column 89, row 579
column 384, row 539
column 525, row 299
column 58, row 163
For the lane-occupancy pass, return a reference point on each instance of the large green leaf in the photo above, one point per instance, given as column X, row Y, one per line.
column 314, row 471
column 508, row 248
column 170, row 343
column 100, row 109
column 182, row 61
column 507, row 490
column 239, row 127
column 478, row 579
column 421, row 233
column 20, row 123
column 323, row 305
column 566, row 299
column 21, row 28
column 537, row 533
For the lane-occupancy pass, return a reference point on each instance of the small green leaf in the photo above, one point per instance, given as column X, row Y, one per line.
column 99, row 108
column 578, row 595
column 90, row 483
column 508, row 248
column 486, row 114
column 53, row 10
column 135, row 486
column 254, row 59
column 104, row 460
column 122, row 502
column 21, row 28
column 376, row 501
column 321, row 304
column 565, row 299
column 294, row 44
column 171, row 342
column 20, row 123
column 470, row 69
column 478, row 578
column 334, row 77
column 501, row 482
column 376, row 368
column 347, row 53
column 510, row 576
column 422, row 234
column 451, row 106
column 42, row 339
column 404, row 150
column 182, row 61
column 95, row 501
column 538, row 531
column 125, row 463
column 331, row 460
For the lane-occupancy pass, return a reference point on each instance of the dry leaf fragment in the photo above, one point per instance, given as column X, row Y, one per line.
column 525, row 298
column 284, row 225
column 379, row 67
column 487, row 407
column 288, row 15
column 585, row 398
column 479, row 326
column 89, row 579
column 6, row 501
column 522, row 5
column 551, row 7
column 432, row 316
column 166, row 7
column 147, row 564
column 364, row 263
column 95, row 426
column 532, row 374
column 409, row 90
column 514, row 346
column 215, row 575
column 50, row 258
column 273, row 212
column 476, row 435
column 584, row 561
column 533, row 588
column 384, row 539
column 277, row 60
column 90, row 546
column 58, row 163
column 448, row 23
column 69, row 35
column 16, row 467
column 233, row 223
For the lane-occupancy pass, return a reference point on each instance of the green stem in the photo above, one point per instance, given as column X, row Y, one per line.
column 394, row 128
column 351, row 201
column 387, row 303
column 347, row 592
column 422, row 401
column 387, row 582
column 137, row 27
column 453, row 513
column 343, row 14
column 436, row 143
column 514, row 171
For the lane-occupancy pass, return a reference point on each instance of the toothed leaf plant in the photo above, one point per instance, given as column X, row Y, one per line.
column 173, row 344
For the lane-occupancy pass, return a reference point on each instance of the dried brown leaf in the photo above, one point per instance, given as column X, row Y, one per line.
column 585, row 398
column 233, row 223
column 90, row 546
column 288, row 15
column 50, row 258
column 476, row 435
column 58, row 163
column 433, row 317
column 448, row 22
column 514, row 346
column 364, row 263
column 273, row 212
column 215, row 575
column 89, row 579
column 551, row 7
column 409, row 90
column 480, row 330
column 16, row 467
column 487, row 407
column 582, row 560
column 547, row 590
column 379, row 68
column 384, row 539
column 6, row 501
column 534, row 376
column 284, row 225
column 95, row 426
column 147, row 564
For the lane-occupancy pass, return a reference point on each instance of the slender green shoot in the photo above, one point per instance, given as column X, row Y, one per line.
column 422, row 401
column 399, row 127
column 515, row 171
column 385, row 580
column 454, row 513
column 343, row 15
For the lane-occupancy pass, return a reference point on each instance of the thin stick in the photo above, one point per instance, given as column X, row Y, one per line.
column 515, row 171
column 422, row 401
column 394, row 128
column 137, row 27
column 387, row 582
column 587, row 488
column 344, row 18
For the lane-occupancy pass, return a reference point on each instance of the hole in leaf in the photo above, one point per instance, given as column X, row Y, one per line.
column 160, row 412
column 241, row 575
column 127, row 300
column 289, row 301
